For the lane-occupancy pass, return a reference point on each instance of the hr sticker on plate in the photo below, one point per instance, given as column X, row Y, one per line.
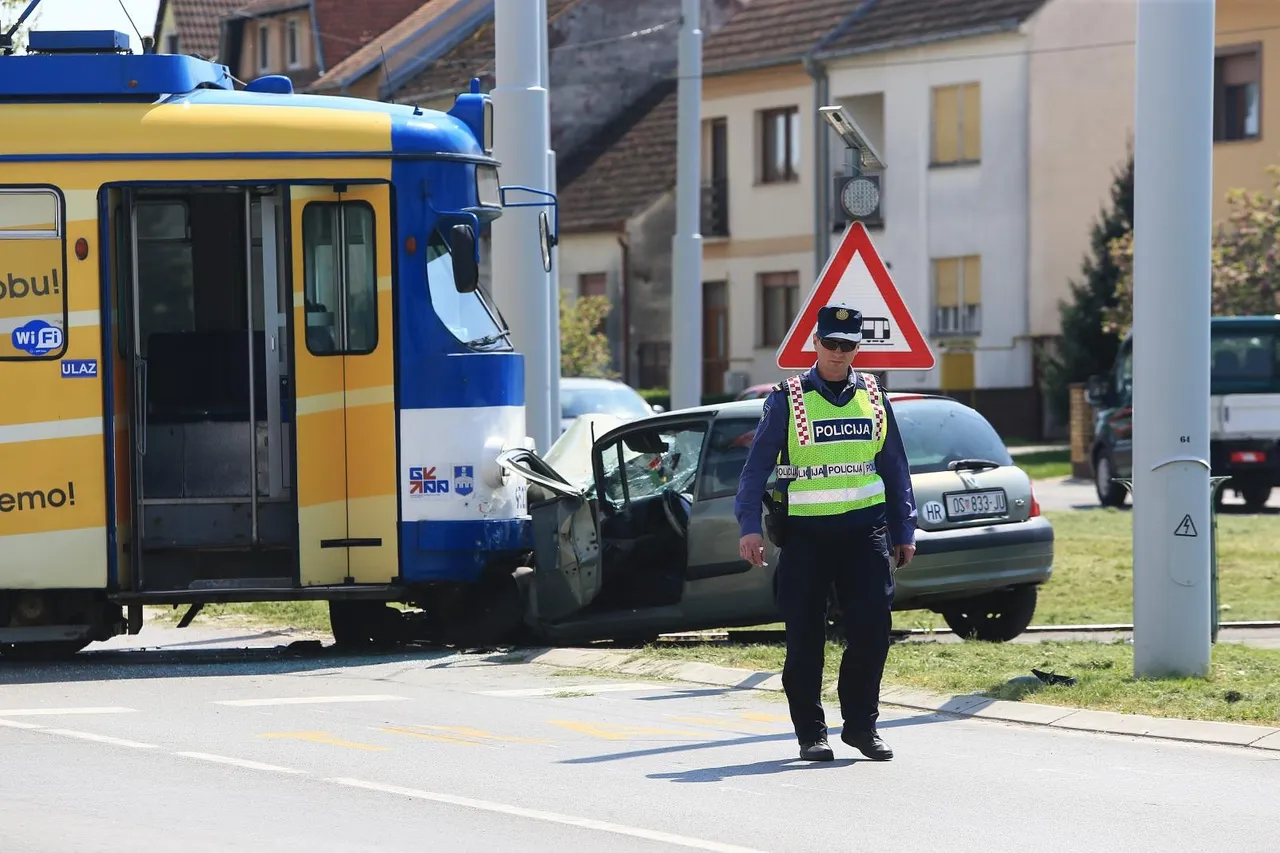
column 933, row 512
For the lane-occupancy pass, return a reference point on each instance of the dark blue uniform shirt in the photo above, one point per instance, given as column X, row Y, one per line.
column 899, row 508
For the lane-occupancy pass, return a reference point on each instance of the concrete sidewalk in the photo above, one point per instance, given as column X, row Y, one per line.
column 1052, row 716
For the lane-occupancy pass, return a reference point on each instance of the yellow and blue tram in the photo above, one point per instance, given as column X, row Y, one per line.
column 244, row 350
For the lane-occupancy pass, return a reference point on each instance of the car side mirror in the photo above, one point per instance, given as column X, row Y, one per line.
column 1097, row 390
column 657, row 409
column 462, row 249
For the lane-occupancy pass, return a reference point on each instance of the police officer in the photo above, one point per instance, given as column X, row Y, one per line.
column 845, row 517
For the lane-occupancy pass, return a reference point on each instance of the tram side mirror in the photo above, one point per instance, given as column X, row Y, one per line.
column 462, row 248
column 545, row 239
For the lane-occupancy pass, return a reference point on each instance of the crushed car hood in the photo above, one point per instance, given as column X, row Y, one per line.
column 570, row 455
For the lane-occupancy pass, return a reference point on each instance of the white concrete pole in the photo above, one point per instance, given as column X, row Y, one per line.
column 1173, row 185
column 520, row 130
column 686, row 246
column 553, row 277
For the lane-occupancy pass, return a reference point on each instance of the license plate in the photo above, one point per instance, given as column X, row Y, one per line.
column 975, row 504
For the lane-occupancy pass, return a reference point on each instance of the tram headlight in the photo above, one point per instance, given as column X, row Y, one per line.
column 487, row 187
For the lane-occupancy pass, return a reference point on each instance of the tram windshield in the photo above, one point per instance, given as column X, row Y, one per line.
column 470, row 316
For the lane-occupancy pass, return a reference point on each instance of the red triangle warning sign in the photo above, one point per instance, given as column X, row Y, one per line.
column 855, row 275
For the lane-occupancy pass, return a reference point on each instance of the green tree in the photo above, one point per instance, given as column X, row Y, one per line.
column 1245, row 260
column 584, row 346
column 1087, row 346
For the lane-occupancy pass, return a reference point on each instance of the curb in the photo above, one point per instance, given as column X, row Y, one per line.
column 972, row 705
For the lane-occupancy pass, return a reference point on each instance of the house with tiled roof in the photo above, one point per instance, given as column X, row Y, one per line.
column 1002, row 123
column 940, row 87
column 190, row 26
column 299, row 39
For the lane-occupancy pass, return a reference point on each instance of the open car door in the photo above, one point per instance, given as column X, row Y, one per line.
column 566, row 546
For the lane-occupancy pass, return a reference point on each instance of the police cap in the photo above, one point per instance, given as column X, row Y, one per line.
column 841, row 322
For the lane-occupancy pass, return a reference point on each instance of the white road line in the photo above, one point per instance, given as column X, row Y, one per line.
column 238, row 762
column 53, row 712
column 114, row 741
column 549, row 817
column 14, row 724
column 305, row 700
column 574, row 688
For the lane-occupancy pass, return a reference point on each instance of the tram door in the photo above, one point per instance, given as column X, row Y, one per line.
column 344, row 384
column 199, row 427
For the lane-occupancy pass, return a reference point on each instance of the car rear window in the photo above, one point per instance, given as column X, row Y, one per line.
column 620, row 400
column 1243, row 357
column 936, row 432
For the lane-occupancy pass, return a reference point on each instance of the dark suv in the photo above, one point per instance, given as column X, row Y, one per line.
column 1244, row 389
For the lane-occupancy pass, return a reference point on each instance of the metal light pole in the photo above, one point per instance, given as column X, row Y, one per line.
column 686, row 246
column 553, row 277
column 1173, row 182
column 521, row 121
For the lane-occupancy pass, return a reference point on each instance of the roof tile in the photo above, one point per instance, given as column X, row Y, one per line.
column 890, row 21
column 776, row 32
column 473, row 57
column 772, row 32
column 402, row 30
column 197, row 23
column 347, row 25
column 625, row 168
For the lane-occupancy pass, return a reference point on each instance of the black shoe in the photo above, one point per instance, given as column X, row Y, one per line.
column 816, row 750
column 868, row 743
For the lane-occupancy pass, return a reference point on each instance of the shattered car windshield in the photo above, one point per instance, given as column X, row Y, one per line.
column 646, row 463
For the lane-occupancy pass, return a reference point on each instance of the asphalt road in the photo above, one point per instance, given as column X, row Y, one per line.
column 1066, row 493
column 208, row 749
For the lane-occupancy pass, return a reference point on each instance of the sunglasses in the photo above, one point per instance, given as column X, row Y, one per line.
column 833, row 345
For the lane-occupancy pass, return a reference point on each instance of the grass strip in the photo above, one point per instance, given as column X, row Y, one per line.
column 1243, row 687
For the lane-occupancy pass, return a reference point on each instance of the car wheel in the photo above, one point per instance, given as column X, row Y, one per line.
column 1255, row 496
column 994, row 618
column 360, row 624
column 1109, row 493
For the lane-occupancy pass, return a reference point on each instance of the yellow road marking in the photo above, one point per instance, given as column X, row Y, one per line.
column 456, row 734
column 613, row 732
column 325, row 738
column 722, row 723
column 478, row 733
column 396, row 730
column 765, row 718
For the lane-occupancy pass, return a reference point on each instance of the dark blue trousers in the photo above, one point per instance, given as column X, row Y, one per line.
column 855, row 558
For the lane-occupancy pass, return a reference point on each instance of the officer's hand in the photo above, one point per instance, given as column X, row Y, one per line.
column 902, row 555
column 751, row 548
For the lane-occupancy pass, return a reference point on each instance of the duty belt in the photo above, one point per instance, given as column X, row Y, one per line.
column 813, row 472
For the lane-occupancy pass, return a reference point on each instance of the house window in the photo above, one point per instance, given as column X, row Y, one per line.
column 779, row 302
column 957, row 124
column 291, row 43
column 957, row 295
column 779, row 145
column 171, row 43
column 264, row 48
column 592, row 284
column 1237, row 94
